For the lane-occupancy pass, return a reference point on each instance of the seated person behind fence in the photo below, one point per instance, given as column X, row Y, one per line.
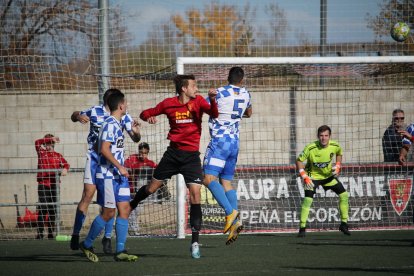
column 137, row 161
column 47, row 158
column 392, row 139
column 141, row 168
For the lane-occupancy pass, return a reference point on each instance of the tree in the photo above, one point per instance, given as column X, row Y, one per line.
column 52, row 36
column 278, row 23
column 216, row 31
column 272, row 34
column 392, row 11
column 243, row 45
column 50, row 29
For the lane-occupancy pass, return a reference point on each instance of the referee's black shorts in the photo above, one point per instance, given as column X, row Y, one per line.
column 175, row 161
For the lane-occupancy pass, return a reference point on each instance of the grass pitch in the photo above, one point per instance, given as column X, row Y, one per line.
column 323, row 253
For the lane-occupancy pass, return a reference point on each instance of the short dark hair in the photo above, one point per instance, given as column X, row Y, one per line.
column 49, row 136
column 397, row 110
column 143, row 145
column 181, row 81
column 323, row 129
column 114, row 99
column 51, row 141
column 108, row 93
column 236, row 75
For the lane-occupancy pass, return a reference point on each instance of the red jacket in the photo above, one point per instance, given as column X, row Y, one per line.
column 185, row 120
column 48, row 160
column 134, row 164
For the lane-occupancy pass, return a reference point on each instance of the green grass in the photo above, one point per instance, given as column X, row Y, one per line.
column 324, row 253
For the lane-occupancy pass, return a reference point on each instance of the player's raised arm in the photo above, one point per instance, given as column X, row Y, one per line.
column 210, row 107
column 135, row 132
column 248, row 112
column 148, row 115
column 78, row 117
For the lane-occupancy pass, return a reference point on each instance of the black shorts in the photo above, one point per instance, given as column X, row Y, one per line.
column 176, row 161
column 338, row 188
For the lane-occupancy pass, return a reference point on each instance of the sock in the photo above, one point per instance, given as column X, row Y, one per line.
column 232, row 197
column 108, row 228
column 344, row 206
column 304, row 213
column 79, row 219
column 218, row 192
column 121, row 229
column 195, row 221
column 139, row 196
column 97, row 226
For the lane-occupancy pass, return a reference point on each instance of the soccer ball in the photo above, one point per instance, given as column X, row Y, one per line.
column 400, row 31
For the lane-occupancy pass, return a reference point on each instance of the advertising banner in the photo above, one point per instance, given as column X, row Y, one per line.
column 269, row 199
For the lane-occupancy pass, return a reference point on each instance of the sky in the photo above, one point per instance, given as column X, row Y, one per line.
column 346, row 18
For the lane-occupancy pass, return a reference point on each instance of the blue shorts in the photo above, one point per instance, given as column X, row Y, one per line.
column 89, row 175
column 111, row 190
column 221, row 157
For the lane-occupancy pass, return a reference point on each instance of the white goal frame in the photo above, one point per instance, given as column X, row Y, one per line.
column 181, row 61
column 290, row 60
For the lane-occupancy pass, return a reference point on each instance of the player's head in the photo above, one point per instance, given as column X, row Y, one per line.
column 143, row 150
column 116, row 100
column 186, row 84
column 236, row 75
column 398, row 119
column 107, row 93
column 324, row 135
column 50, row 145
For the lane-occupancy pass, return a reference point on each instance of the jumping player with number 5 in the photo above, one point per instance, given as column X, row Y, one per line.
column 233, row 102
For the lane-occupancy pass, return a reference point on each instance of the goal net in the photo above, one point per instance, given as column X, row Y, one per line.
column 51, row 65
column 291, row 98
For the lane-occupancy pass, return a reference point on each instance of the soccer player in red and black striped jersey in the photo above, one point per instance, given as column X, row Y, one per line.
column 184, row 113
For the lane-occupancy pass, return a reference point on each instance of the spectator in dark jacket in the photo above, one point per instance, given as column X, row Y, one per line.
column 392, row 139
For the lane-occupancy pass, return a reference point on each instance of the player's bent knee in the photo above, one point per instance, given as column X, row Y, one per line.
column 152, row 189
column 87, row 198
column 88, row 191
column 307, row 202
column 195, row 193
column 344, row 196
column 208, row 178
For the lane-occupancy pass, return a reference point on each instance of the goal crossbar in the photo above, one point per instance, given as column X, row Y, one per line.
column 291, row 60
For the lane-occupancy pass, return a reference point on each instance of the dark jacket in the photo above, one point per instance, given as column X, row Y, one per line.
column 391, row 144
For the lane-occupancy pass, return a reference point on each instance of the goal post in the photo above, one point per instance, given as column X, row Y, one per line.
column 292, row 96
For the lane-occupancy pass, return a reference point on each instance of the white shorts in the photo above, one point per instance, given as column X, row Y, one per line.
column 89, row 175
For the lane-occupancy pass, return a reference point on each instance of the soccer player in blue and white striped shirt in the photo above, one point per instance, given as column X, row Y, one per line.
column 233, row 103
column 111, row 182
column 95, row 116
